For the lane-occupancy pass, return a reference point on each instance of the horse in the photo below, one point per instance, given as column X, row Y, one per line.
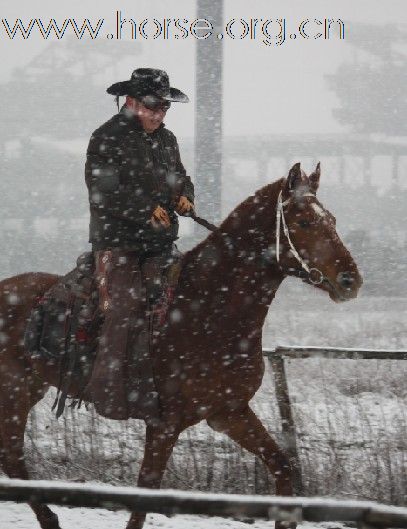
column 208, row 361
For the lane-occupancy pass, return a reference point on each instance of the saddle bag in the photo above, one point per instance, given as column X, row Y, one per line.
column 63, row 326
column 68, row 307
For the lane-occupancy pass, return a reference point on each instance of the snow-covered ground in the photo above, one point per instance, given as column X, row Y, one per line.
column 18, row 516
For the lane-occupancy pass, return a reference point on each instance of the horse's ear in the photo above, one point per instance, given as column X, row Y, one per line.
column 314, row 178
column 295, row 178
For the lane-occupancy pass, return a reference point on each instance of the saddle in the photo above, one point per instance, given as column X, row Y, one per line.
column 63, row 326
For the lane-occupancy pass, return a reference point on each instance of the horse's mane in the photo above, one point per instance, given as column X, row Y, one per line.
column 243, row 210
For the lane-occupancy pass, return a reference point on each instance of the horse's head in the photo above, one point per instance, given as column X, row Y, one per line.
column 307, row 244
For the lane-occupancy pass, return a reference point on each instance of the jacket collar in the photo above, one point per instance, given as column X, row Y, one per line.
column 134, row 121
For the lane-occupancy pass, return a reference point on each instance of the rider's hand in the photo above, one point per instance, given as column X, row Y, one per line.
column 160, row 218
column 184, row 206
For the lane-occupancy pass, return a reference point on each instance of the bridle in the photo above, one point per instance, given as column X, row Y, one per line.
column 280, row 221
column 314, row 275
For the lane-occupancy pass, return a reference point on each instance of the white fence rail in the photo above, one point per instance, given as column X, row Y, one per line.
column 365, row 514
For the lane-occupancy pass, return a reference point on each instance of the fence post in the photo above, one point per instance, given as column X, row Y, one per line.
column 287, row 419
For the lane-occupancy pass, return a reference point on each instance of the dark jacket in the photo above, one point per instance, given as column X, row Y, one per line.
column 129, row 173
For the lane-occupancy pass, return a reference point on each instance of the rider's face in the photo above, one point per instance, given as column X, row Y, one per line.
column 150, row 119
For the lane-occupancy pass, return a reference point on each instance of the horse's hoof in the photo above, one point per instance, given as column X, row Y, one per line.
column 242, row 519
column 49, row 522
column 285, row 525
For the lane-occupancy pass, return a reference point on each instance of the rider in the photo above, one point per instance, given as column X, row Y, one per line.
column 136, row 183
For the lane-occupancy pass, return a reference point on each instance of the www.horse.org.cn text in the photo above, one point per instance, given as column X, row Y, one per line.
column 267, row 31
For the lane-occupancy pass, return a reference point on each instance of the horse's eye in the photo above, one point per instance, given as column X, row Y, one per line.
column 304, row 223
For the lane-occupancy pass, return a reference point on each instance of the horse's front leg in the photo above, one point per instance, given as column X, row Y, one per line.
column 246, row 429
column 160, row 442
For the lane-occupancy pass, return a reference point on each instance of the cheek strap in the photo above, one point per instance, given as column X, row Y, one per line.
column 280, row 220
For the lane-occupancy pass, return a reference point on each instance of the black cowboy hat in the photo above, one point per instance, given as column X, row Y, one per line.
column 148, row 82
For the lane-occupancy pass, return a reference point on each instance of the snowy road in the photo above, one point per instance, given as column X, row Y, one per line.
column 19, row 516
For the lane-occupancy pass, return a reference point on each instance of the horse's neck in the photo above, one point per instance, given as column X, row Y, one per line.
column 231, row 271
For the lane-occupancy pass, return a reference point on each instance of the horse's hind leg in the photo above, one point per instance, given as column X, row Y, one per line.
column 17, row 396
column 246, row 429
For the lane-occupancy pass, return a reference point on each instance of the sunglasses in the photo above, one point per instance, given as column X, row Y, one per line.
column 153, row 103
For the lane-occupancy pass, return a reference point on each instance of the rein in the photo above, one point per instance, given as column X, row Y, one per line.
column 202, row 222
column 314, row 275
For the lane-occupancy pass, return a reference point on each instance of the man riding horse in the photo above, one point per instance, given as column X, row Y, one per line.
column 136, row 183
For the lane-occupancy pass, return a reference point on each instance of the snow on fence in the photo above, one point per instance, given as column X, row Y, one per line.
column 365, row 514
column 348, row 424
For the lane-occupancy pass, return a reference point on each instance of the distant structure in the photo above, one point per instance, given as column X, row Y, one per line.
column 64, row 76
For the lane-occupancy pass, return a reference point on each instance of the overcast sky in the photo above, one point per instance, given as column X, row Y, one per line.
column 267, row 89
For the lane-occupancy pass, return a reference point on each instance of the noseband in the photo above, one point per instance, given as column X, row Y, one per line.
column 314, row 275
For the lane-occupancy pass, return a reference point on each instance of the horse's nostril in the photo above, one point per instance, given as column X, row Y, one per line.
column 345, row 279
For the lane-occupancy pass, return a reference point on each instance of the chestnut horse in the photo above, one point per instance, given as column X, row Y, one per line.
column 208, row 362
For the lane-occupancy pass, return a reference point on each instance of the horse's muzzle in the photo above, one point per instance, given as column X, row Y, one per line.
column 346, row 286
